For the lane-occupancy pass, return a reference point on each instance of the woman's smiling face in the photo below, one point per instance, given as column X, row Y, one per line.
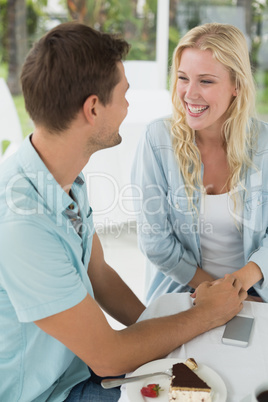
column 205, row 89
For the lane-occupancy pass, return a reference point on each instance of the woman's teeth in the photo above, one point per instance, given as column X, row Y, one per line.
column 197, row 109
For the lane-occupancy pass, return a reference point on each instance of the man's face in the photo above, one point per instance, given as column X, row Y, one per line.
column 113, row 114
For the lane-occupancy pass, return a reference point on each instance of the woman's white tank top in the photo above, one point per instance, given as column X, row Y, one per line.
column 221, row 240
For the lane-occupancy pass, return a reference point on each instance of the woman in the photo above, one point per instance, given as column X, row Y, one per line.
column 203, row 173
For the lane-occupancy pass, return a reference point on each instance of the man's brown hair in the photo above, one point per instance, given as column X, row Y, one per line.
column 68, row 64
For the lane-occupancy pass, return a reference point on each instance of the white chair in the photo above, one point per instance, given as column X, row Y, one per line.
column 10, row 129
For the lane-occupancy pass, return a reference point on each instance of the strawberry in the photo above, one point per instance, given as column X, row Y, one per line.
column 151, row 390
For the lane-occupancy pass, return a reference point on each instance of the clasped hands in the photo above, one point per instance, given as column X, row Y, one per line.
column 235, row 282
column 220, row 300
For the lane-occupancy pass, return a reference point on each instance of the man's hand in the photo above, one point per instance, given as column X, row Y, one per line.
column 221, row 300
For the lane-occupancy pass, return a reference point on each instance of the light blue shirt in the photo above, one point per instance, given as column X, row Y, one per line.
column 168, row 230
column 43, row 271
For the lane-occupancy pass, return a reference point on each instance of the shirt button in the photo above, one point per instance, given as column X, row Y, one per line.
column 177, row 206
column 71, row 206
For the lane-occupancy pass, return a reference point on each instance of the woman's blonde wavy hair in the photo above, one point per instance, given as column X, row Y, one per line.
column 228, row 45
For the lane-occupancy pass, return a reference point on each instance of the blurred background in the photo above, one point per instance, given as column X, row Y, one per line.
column 24, row 21
column 153, row 28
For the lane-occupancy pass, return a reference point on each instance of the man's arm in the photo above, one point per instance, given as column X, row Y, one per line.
column 85, row 330
column 110, row 291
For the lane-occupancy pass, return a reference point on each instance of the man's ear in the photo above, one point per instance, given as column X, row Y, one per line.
column 90, row 108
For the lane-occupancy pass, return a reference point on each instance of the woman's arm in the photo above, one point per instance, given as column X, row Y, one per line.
column 249, row 275
column 199, row 277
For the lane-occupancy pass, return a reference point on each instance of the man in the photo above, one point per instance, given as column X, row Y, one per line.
column 53, row 276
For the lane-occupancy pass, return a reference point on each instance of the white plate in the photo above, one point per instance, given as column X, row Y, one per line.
column 204, row 372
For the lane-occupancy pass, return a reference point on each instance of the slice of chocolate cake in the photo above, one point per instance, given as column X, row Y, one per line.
column 186, row 386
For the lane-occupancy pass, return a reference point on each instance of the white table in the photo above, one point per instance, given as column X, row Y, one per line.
column 241, row 369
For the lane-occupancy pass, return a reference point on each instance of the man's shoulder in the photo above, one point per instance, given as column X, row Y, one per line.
column 16, row 191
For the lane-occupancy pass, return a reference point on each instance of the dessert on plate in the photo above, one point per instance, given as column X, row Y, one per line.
column 186, row 386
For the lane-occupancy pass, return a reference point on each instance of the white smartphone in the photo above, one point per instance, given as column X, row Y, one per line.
column 237, row 331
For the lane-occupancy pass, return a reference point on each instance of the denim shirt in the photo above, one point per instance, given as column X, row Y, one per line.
column 169, row 229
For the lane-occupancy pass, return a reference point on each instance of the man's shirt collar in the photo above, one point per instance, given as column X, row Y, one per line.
column 54, row 196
